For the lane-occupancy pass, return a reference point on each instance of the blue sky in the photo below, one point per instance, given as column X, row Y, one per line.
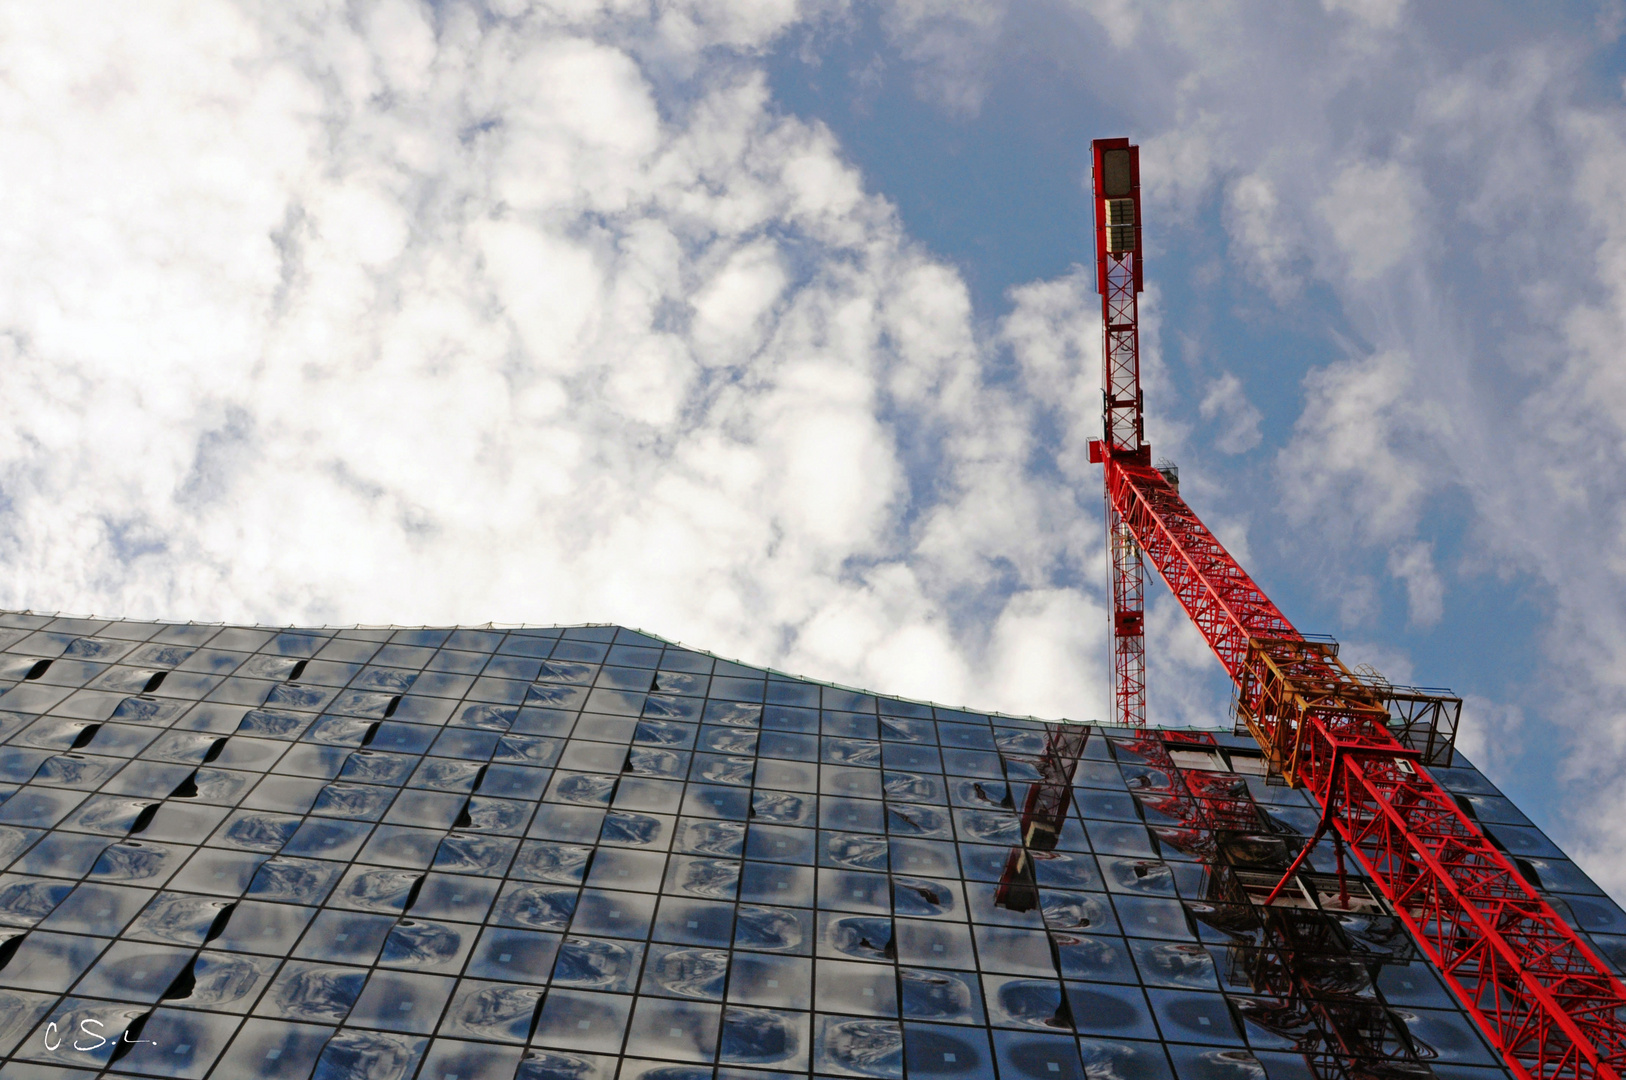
column 998, row 190
column 758, row 325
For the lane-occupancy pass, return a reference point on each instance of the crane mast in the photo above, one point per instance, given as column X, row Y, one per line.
column 1118, row 279
column 1536, row 989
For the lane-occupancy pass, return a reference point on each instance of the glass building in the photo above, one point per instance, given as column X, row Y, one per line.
column 584, row 853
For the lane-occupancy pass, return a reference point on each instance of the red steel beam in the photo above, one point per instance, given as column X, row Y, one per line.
column 1115, row 167
column 1537, row 990
column 1128, row 624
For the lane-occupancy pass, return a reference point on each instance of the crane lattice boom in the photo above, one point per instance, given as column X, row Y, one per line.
column 1537, row 990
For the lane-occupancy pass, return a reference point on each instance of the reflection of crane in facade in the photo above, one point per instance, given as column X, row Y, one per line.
column 1538, row 992
column 1304, row 970
column 1298, row 956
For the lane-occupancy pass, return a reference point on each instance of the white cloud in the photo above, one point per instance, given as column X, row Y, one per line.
column 949, row 42
column 1383, row 14
column 1390, row 663
column 1185, row 686
column 1228, row 402
column 1374, row 214
column 443, row 321
column 731, row 309
column 1054, row 332
column 1349, row 457
column 548, row 285
column 1045, row 631
column 1413, row 564
column 1230, row 530
column 1121, row 19
column 1264, row 231
column 1491, row 734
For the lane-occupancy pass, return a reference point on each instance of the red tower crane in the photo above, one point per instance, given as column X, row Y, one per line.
column 1538, row 991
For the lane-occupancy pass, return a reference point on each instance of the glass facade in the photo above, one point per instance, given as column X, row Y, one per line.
column 584, row 853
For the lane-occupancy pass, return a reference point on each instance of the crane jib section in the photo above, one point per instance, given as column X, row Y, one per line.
column 1537, row 990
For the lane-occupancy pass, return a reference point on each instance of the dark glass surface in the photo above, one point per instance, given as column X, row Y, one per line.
column 581, row 853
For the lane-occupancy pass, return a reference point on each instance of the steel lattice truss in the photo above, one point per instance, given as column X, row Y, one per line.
column 1119, row 313
column 1128, row 623
column 1348, row 1040
column 1540, row 994
column 1119, row 281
